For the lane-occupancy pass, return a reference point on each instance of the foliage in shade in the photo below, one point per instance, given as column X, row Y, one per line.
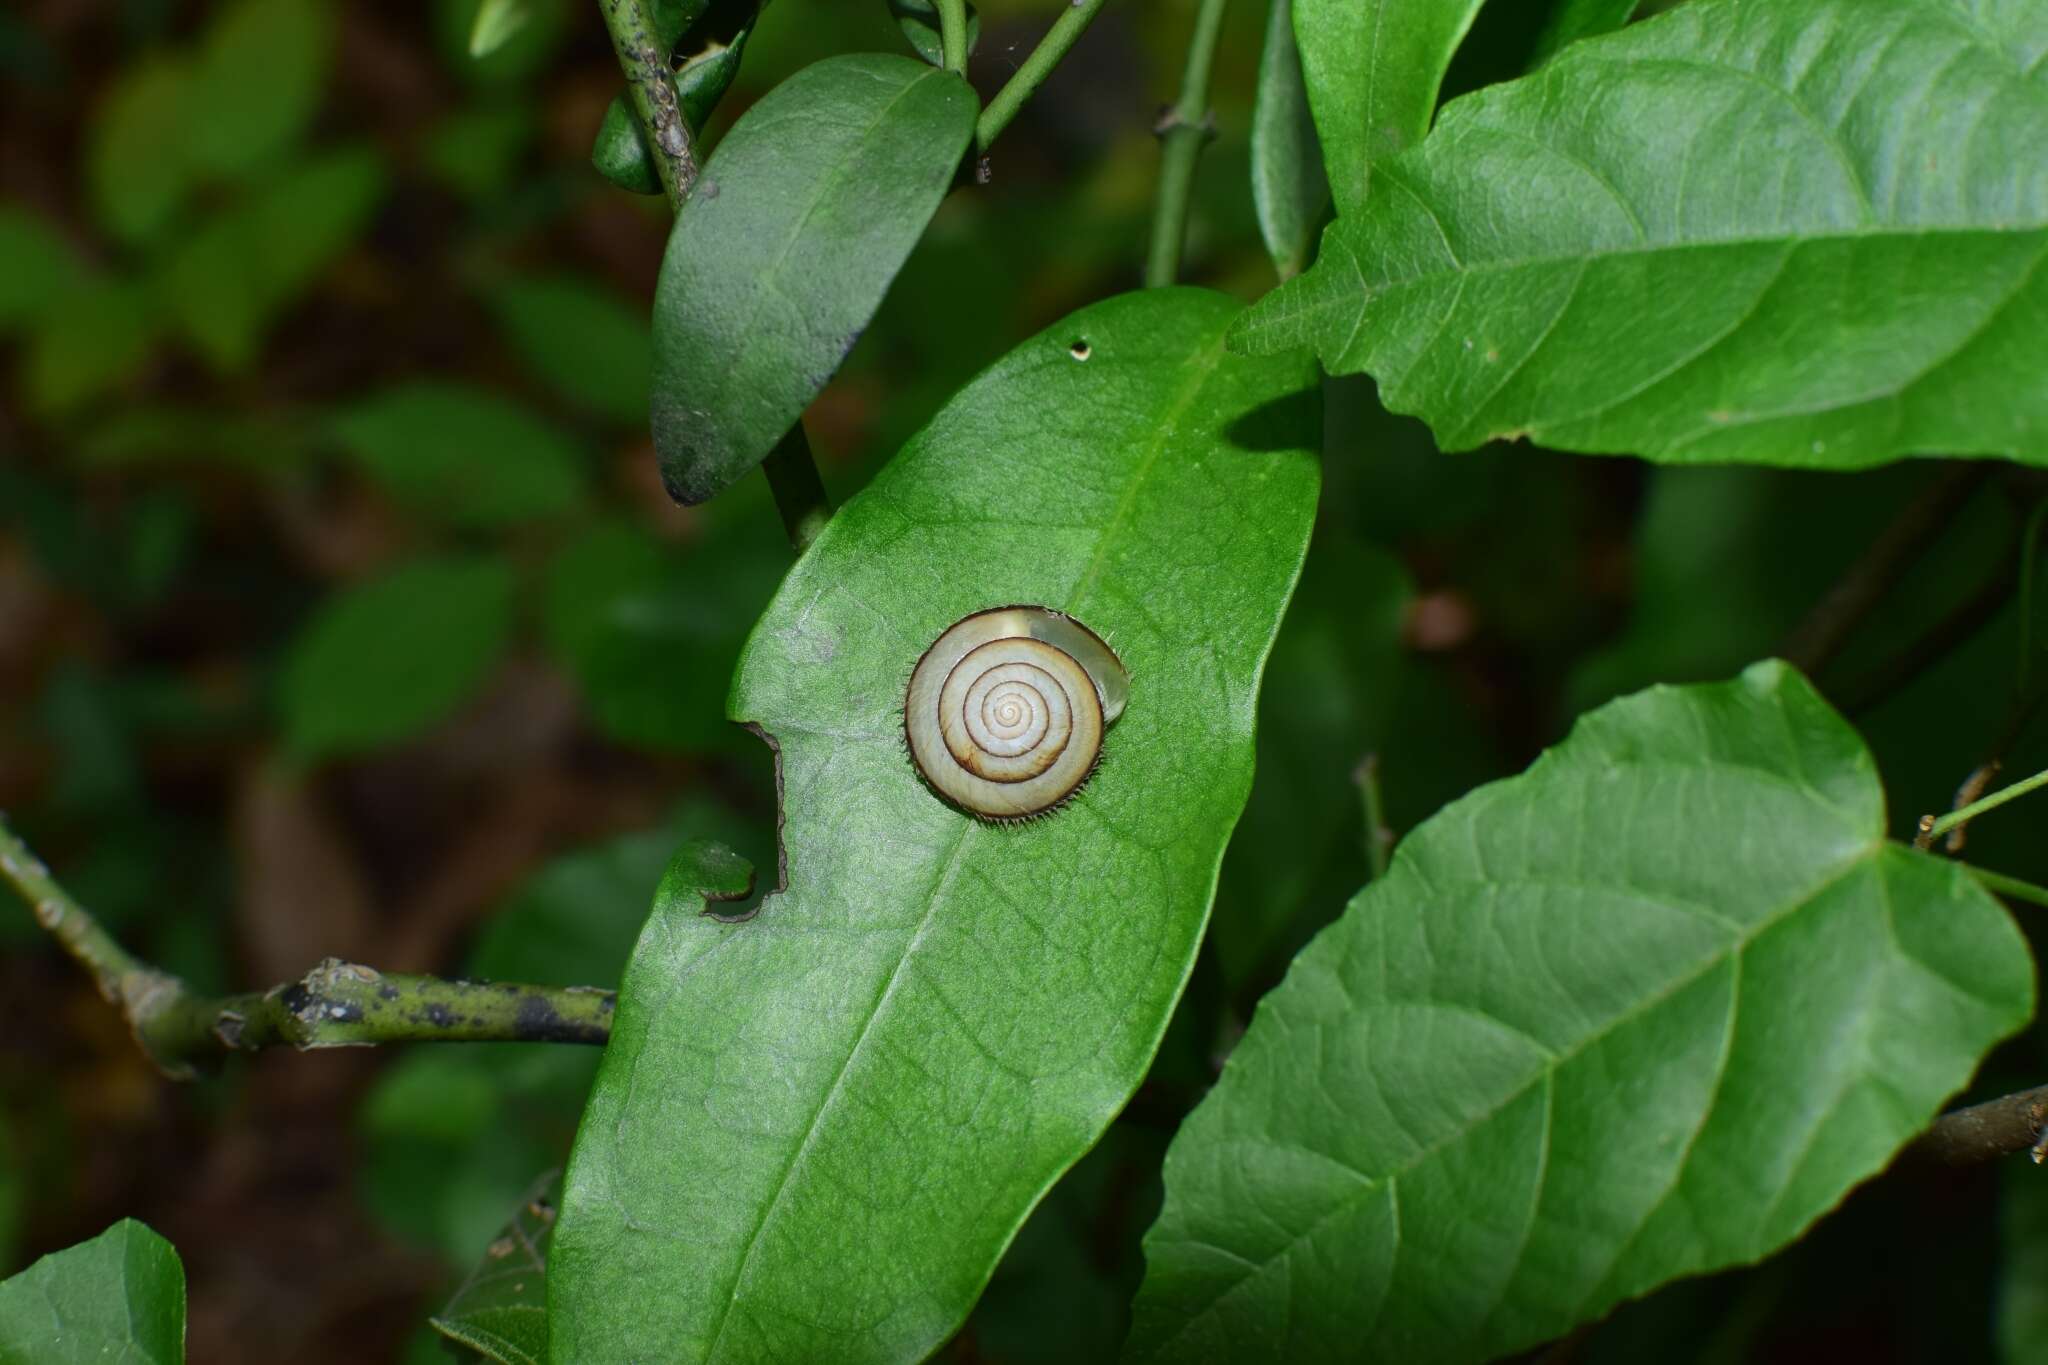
column 388, row 658
column 1648, row 1009
column 500, row 1311
column 814, row 1132
column 1289, row 190
column 1847, row 270
column 1372, row 68
column 36, row 266
column 581, row 339
column 1572, row 20
column 118, row 1297
column 784, row 250
column 468, row 456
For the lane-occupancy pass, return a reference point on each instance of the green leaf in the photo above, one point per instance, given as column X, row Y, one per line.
column 1647, row 1010
column 386, row 659
column 466, row 455
column 1600, row 258
column 937, row 1016
column 581, row 339
column 119, row 1297
column 227, row 282
column 1288, row 187
column 1373, row 68
column 477, row 151
column 139, row 154
column 497, row 22
column 1576, row 19
column 36, row 266
column 259, row 75
column 91, row 339
column 919, row 20
column 784, row 249
column 500, row 1311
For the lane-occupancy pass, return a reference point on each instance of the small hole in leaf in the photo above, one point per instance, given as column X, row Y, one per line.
column 1080, row 350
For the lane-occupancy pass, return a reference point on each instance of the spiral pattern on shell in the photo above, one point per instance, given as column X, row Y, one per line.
column 1006, row 711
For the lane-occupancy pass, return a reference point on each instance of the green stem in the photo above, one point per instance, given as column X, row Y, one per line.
column 651, row 89
column 337, row 1004
column 2012, row 888
column 1379, row 840
column 1065, row 31
column 799, row 491
column 1935, row 829
column 1183, row 129
column 953, row 35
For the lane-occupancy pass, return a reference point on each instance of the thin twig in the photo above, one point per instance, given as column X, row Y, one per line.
column 1816, row 640
column 2012, row 888
column 1932, row 829
column 1064, row 33
column 1182, row 129
column 1984, row 1132
column 1379, row 840
column 799, row 491
column 651, row 90
column 337, row 1004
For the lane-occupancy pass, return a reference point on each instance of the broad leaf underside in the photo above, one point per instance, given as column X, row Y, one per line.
column 1647, row 1010
column 1804, row 233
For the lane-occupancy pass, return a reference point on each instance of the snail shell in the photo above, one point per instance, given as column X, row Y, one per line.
column 1006, row 710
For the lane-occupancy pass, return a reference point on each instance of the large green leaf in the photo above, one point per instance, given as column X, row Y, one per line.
column 1648, row 1009
column 1373, row 69
column 1806, row 232
column 119, row 1297
column 815, row 1131
column 385, row 659
column 1289, row 189
column 790, row 238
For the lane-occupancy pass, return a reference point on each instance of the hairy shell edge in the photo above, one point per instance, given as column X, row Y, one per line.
column 1005, row 713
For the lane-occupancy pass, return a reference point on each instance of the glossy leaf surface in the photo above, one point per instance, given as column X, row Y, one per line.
column 782, row 253
column 1801, row 233
column 119, row 1297
column 1373, row 68
column 1647, row 1010
column 815, row 1131
column 1289, row 190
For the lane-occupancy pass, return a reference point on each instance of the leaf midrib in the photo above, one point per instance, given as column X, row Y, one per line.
column 1542, row 1075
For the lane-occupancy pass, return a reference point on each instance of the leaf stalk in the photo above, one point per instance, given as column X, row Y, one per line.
column 1183, row 129
column 1058, row 40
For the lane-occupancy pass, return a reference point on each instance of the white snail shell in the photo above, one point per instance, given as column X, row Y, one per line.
column 1006, row 711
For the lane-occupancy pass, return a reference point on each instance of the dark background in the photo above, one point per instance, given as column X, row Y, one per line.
column 233, row 248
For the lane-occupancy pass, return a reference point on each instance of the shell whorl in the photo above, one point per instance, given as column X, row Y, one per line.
column 1006, row 711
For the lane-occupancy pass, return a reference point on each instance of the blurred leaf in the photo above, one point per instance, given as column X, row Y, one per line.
column 120, row 1296
column 788, row 241
column 36, row 266
column 384, row 660
column 1647, row 1010
column 1501, row 292
column 1288, row 186
column 466, row 455
column 919, row 20
column 501, row 1309
column 227, row 281
column 477, row 151
column 518, row 58
column 2023, row 1283
column 260, row 73
column 620, row 152
column 651, row 636
column 1373, row 68
column 496, row 23
column 91, row 339
column 139, row 150
column 142, row 436
column 1572, row 20
column 583, row 340
column 1329, row 688
column 951, row 1012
